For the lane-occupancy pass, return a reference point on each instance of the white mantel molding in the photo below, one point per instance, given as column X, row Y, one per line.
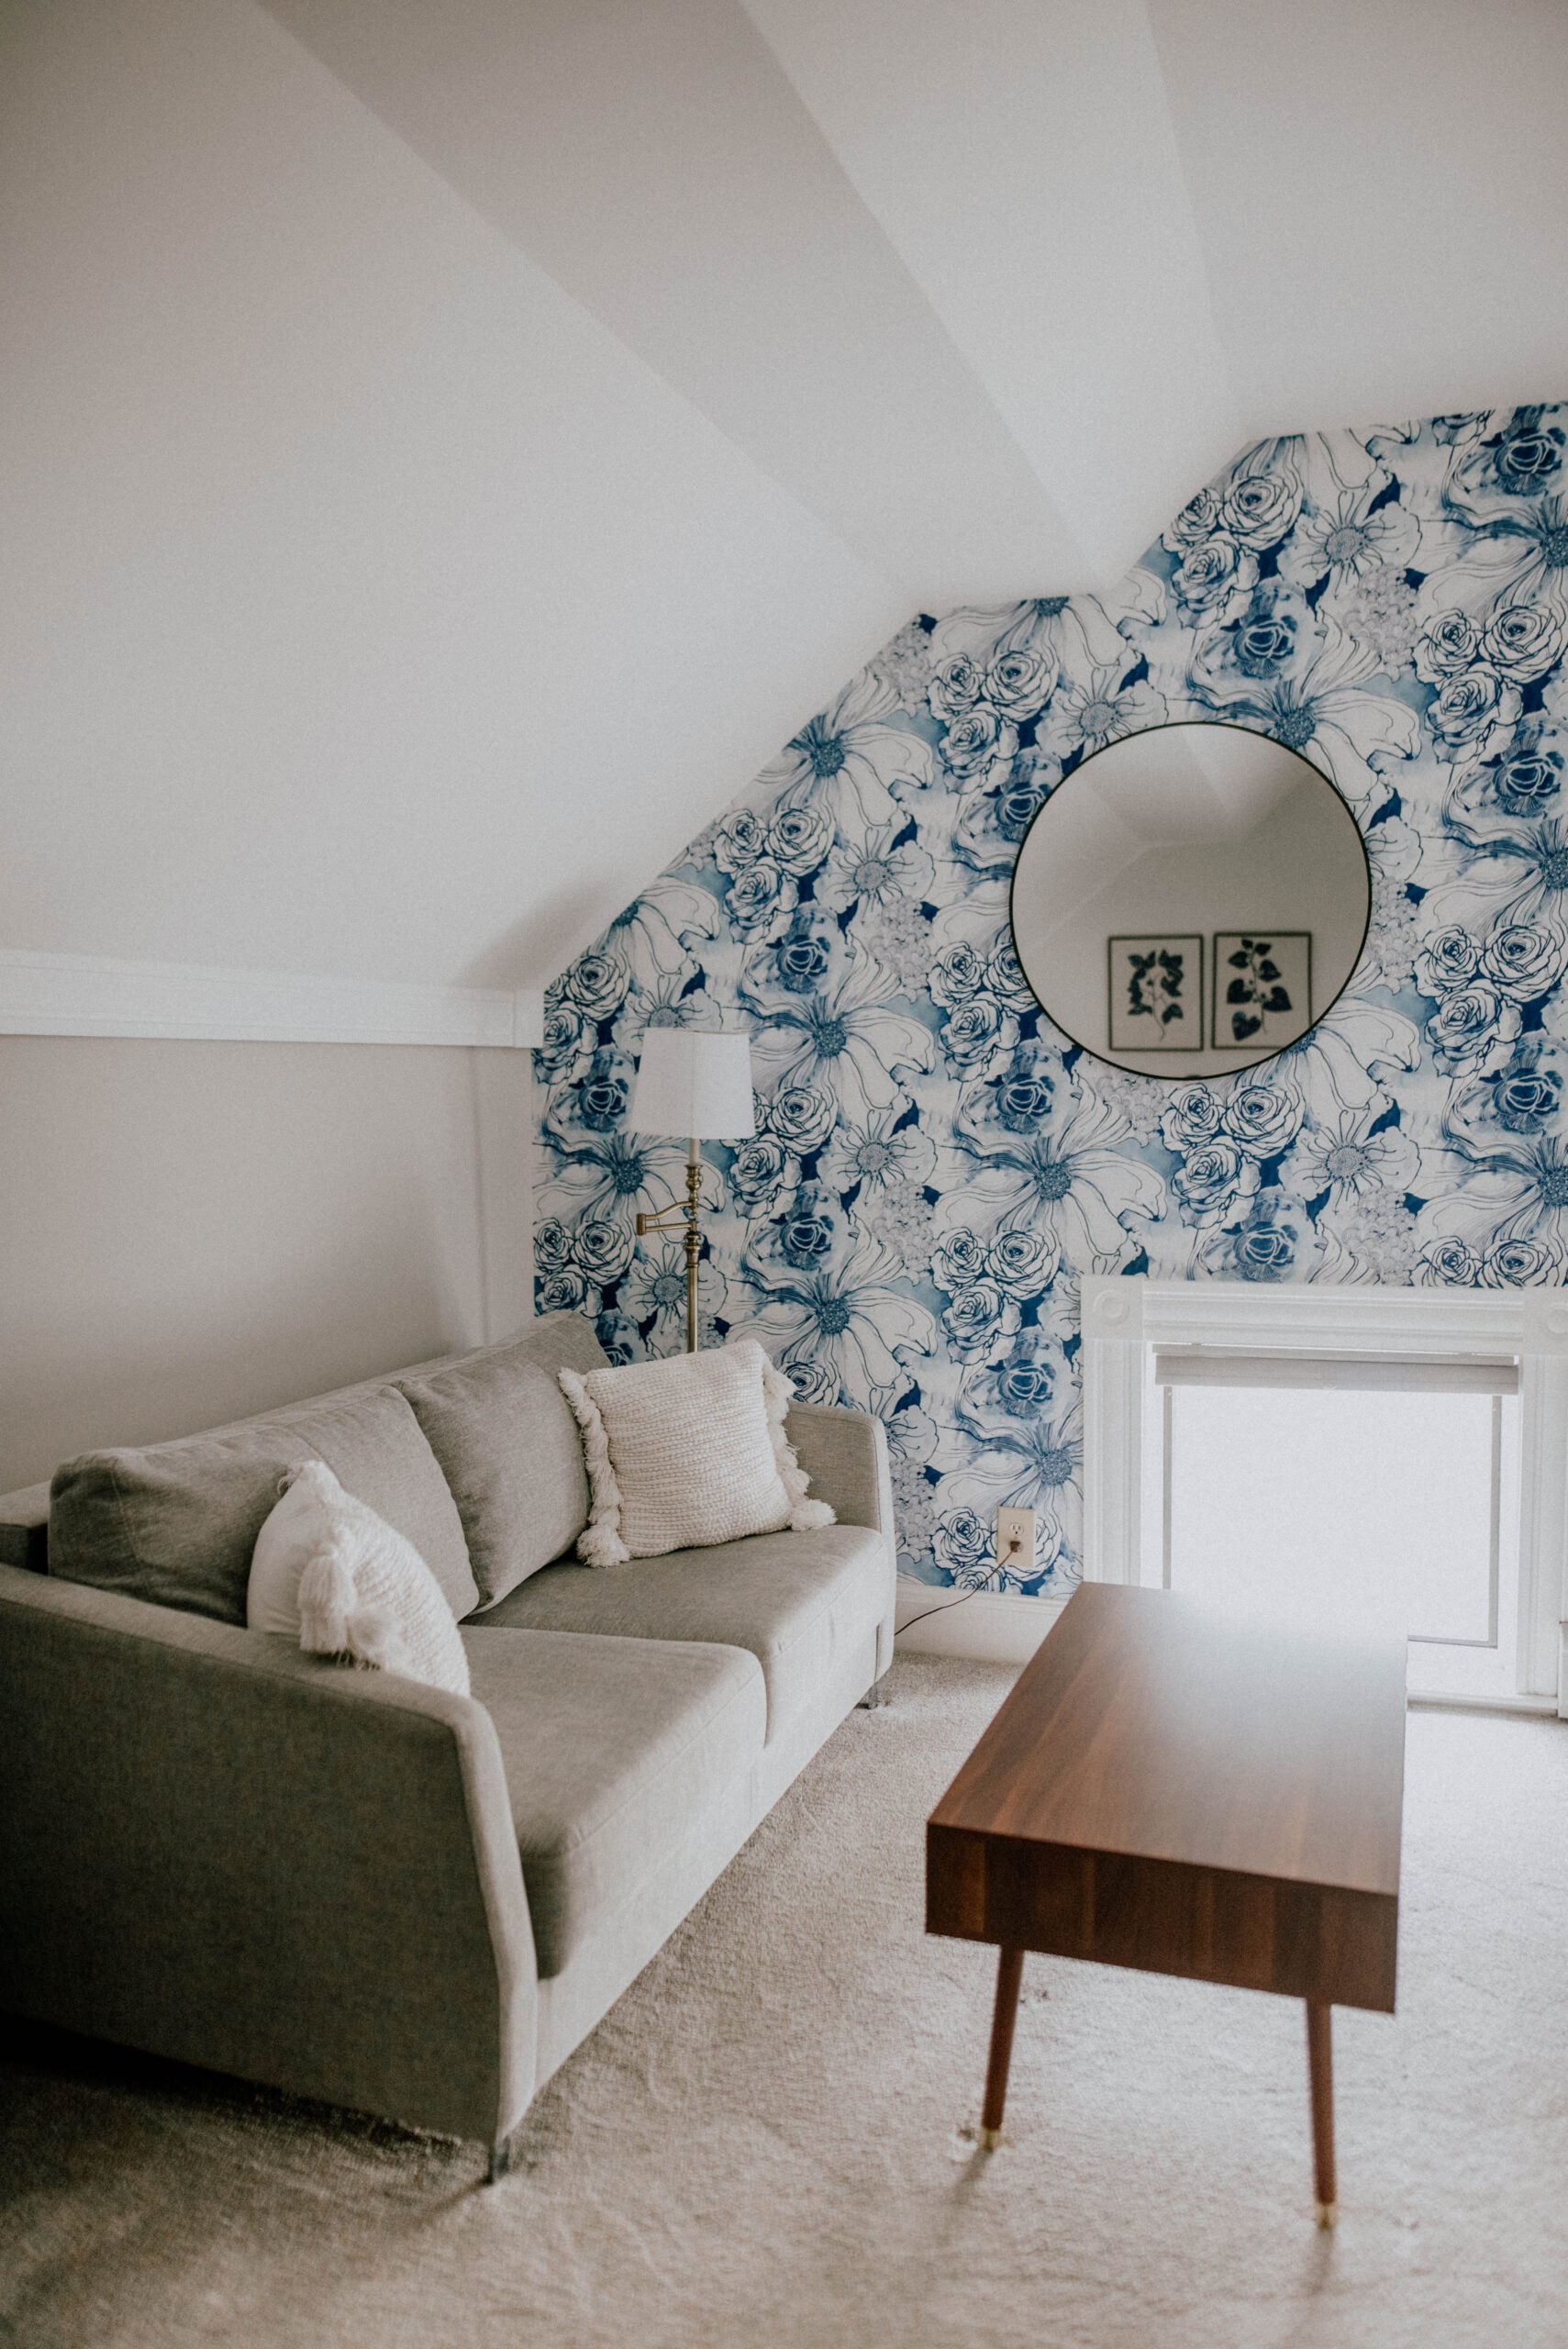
column 89, row 994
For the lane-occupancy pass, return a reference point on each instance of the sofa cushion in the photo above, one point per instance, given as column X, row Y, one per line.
column 795, row 1601
column 614, row 1749
column 176, row 1523
column 502, row 1430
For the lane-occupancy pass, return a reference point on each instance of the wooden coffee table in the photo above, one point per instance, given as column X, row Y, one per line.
column 1164, row 1790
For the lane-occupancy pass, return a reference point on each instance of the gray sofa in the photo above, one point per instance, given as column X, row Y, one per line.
column 346, row 1884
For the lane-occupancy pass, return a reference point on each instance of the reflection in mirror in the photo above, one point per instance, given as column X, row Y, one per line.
column 1190, row 900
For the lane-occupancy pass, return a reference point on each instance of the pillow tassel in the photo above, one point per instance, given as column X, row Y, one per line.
column 326, row 1596
column 377, row 1642
column 333, row 1620
column 599, row 1544
column 806, row 1516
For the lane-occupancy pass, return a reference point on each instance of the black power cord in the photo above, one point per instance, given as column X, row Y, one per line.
column 926, row 1613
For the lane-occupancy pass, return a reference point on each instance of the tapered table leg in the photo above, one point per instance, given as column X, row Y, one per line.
column 1010, row 1974
column 1320, row 2068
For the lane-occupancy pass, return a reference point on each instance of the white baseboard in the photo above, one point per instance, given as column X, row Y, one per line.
column 92, row 995
column 987, row 1625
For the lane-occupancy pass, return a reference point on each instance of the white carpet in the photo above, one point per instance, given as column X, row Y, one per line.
column 762, row 2144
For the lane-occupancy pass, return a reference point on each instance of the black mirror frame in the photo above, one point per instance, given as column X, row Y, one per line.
column 1171, row 726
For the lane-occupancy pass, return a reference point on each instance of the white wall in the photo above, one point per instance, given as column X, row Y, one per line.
column 346, row 561
column 1020, row 158
column 1381, row 195
column 189, row 1233
column 429, row 424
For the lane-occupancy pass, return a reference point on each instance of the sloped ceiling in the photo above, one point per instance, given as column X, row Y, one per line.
column 451, row 443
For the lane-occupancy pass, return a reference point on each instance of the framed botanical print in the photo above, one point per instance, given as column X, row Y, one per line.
column 1156, row 995
column 1262, row 987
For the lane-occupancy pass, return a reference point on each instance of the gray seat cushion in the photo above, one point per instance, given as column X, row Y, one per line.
column 795, row 1601
column 613, row 1751
column 504, row 1433
column 176, row 1524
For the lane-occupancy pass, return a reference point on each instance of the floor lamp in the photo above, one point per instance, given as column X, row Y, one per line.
column 692, row 1082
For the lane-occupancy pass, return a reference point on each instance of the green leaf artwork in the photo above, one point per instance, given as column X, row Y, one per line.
column 1156, row 995
column 1154, row 986
column 1258, row 990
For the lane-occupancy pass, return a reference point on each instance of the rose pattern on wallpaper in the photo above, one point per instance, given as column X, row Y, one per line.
column 935, row 1167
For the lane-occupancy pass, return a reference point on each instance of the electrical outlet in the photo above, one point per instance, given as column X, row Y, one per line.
column 1015, row 1538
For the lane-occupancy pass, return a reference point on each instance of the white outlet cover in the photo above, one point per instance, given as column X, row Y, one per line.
column 1016, row 1533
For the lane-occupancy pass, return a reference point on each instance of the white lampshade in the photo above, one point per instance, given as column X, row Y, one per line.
column 691, row 1081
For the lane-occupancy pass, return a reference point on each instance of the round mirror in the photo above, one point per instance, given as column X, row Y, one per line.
column 1189, row 900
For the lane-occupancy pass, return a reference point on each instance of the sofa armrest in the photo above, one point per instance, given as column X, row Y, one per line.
column 844, row 1453
column 24, row 1527
column 219, row 1849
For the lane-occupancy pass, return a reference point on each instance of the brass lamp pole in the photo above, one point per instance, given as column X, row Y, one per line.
column 693, row 1082
column 693, row 1238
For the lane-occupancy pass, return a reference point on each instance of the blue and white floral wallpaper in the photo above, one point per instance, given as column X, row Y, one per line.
column 935, row 1167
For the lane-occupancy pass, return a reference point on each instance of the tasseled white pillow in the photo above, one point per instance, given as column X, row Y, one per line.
column 687, row 1451
column 331, row 1573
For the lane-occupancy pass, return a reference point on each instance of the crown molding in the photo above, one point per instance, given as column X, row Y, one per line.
column 91, row 995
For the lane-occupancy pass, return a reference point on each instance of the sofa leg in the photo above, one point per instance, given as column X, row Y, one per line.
column 872, row 1699
column 500, row 2160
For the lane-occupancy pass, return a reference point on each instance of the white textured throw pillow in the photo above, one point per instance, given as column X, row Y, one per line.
column 329, row 1573
column 687, row 1451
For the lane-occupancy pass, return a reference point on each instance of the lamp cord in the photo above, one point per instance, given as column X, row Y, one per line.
column 926, row 1613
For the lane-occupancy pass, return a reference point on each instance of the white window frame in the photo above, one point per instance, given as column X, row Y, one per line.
column 1125, row 1318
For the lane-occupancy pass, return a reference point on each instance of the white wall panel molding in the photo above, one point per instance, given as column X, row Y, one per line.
column 89, row 994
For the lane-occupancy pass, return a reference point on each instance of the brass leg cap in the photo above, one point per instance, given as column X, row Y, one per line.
column 988, row 2139
column 1328, row 2214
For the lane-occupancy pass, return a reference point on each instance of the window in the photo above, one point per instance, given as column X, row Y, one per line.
column 1367, row 1503
column 1356, row 1459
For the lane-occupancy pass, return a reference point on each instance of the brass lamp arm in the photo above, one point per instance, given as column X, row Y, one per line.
column 679, row 1210
column 656, row 1223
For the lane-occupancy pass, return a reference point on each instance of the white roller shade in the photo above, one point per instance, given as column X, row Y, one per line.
column 1367, row 1373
